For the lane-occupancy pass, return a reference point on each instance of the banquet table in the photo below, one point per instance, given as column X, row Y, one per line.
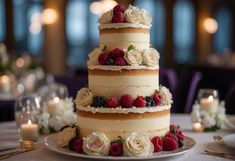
column 9, row 136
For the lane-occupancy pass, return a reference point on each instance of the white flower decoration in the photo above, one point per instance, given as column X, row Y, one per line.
column 166, row 95
column 208, row 121
column 146, row 18
column 65, row 136
column 106, row 17
column 96, row 144
column 133, row 57
column 44, row 119
column 150, row 57
column 69, row 117
column 93, row 57
column 138, row 144
column 84, row 97
column 56, row 122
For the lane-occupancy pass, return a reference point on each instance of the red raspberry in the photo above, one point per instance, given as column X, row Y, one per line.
column 172, row 126
column 118, row 8
column 157, row 98
column 103, row 58
column 118, row 17
column 139, row 102
column 116, row 53
column 116, row 149
column 126, row 101
column 157, row 143
column 120, row 61
column 179, row 135
column 112, row 102
column 78, row 145
column 169, row 144
column 172, row 136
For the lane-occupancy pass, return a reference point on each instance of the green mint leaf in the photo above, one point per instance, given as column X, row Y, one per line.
column 104, row 48
column 119, row 140
column 131, row 47
column 151, row 46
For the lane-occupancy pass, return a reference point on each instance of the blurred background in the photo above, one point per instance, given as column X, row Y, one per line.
column 50, row 40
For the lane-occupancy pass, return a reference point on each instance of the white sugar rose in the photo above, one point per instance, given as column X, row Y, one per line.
column 65, row 136
column 146, row 18
column 106, row 17
column 165, row 95
column 84, row 97
column 133, row 57
column 133, row 15
column 138, row 144
column 96, row 144
column 150, row 57
column 93, row 57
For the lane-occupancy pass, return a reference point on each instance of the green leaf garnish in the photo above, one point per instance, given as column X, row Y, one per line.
column 119, row 140
column 212, row 129
column 131, row 47
column 104, row 48
column 151, row 46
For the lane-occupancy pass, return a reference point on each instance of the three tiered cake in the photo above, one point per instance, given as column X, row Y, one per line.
column 123, row 100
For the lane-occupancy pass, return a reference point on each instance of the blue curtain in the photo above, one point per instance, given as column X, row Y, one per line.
column 2, row 20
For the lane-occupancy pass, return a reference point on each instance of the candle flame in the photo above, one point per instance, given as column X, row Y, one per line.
column 56, row 99
column 210, row 98
column 5, row 79
column 29, row 122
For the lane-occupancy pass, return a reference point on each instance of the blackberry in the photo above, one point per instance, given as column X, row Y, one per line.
column 99, row 101
column 71, row 144
column 149, row 101
column 110, row 61
column 180, row 144
column 173, row 131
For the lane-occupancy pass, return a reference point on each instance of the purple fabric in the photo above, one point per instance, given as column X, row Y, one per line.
column 169, row 78
column 230, row 101
column 193, row 89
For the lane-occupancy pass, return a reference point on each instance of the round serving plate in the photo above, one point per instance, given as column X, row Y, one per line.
column 51, row 143
column 229, row 140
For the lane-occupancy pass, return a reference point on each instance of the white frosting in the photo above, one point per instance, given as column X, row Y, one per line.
column 124, row 110
column 96, row 144
column 123, row 25
column 116, row 68
column 133, row 57
column 138, row 144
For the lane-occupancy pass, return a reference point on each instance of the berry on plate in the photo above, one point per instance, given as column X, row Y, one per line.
column 139, row 102
column 179, row 135
column 169, row 144
column 116, row 149
column 157, row 143
column 78, row 145
column 126, row 101
column 172, row 136
column 112, row 102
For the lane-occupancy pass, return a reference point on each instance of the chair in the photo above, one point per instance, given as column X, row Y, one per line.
column 230, row 100
column 169, row 78
column 186, row 91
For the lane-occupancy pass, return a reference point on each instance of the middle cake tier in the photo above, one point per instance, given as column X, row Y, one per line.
column 118, row 80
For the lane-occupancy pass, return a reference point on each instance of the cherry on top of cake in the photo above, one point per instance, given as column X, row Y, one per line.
column 132, row 15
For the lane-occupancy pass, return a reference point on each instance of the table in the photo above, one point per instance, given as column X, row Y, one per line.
column 9, row 136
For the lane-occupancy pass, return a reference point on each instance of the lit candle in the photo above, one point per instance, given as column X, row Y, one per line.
column 197, row 127
column 29, row 131
column 52, row 105
column 5, row 84
column 209, row 104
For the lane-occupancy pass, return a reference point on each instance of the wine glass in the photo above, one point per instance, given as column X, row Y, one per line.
column 29, row 103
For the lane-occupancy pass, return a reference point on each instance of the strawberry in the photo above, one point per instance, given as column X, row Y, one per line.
column 120, row 61
column 169, row 144
column 179, row 135
column 157, row 143
column 116, row 149
column 103, row 58
column 157, row 98
column 118, row 8
column 172, row 126
column 112, row 102
column 118, row 17
column 139, row 101
column 126, row 101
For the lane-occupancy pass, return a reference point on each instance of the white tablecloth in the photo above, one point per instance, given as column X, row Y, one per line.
column 9, row 136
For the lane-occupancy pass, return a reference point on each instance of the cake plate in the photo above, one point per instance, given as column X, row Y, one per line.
column 51, row 143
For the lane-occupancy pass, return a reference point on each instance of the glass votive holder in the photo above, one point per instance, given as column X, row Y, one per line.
column 197, row 127
column 29, row 128
column 208, row 100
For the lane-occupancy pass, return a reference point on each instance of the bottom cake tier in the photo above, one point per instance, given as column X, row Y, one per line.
column 154, row 121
